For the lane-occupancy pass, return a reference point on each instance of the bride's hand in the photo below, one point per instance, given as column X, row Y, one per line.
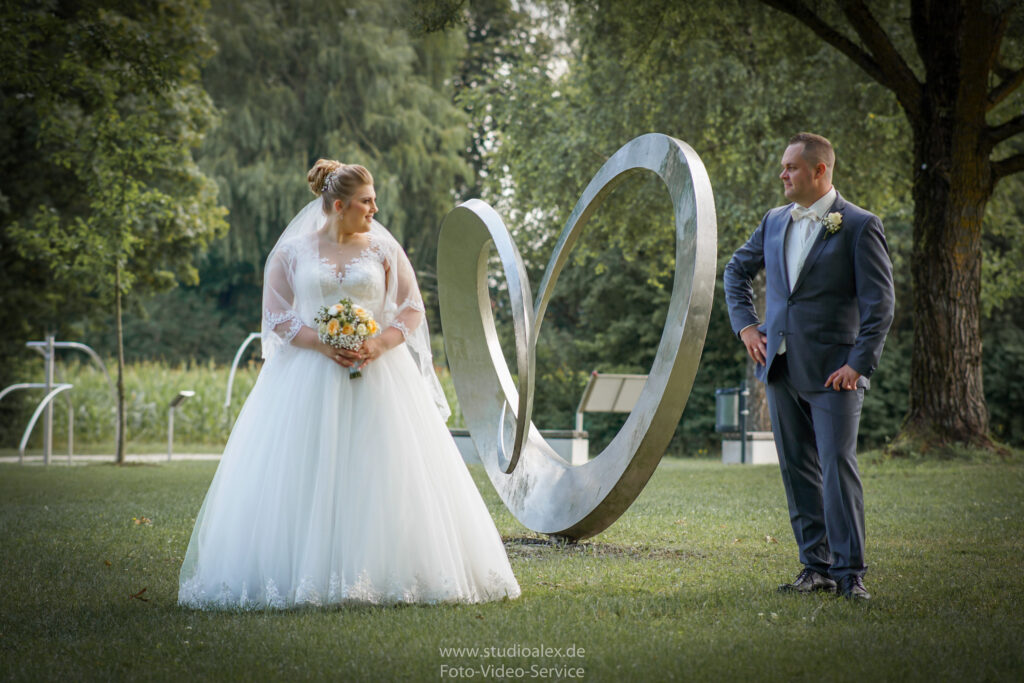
column 342, row 357
column 371, row 350
column 374, row 347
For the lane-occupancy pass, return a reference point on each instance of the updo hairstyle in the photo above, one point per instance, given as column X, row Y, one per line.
column 334, row 180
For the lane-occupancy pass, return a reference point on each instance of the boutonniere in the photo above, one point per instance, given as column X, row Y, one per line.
column 832, row 223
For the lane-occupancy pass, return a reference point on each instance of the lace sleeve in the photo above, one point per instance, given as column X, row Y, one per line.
column 280, row 320
column 406, row 313
column 410, row 311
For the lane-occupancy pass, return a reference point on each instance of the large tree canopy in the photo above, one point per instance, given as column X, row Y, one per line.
column 297, row 81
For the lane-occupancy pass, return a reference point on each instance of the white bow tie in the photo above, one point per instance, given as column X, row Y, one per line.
column 799, row 213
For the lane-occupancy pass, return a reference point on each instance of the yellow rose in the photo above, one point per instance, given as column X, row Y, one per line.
column 347, row 329
column 362, row 314
column 372, row 327
column 335, row 309
column 332, row 327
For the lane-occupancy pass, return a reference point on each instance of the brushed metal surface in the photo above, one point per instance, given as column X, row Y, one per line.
column 543, row 491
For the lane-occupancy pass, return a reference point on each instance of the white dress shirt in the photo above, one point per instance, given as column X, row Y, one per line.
column 800, row 239
column 801, row 234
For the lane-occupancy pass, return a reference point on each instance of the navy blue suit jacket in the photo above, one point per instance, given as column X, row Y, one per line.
column 840, row 308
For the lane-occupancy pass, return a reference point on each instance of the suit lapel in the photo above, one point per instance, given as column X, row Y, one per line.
column 784, row 224
column 819, row 243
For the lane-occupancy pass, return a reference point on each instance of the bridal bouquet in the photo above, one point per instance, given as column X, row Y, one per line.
column 345, row 326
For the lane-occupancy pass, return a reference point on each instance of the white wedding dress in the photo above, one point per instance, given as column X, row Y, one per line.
column 333, row 489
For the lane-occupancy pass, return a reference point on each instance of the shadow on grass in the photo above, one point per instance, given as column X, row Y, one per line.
column 541, row 547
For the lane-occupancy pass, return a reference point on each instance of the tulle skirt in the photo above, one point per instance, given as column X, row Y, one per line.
column 333, row 489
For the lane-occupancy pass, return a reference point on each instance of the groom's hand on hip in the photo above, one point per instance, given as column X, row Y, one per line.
column 845, row 378
column 756, row 343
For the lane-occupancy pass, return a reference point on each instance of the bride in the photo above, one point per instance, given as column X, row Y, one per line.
column 334, row 489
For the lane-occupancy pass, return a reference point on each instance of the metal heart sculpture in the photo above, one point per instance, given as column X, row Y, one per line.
column 544, row 492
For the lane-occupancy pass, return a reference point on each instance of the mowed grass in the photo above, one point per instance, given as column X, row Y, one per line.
column 682, row 587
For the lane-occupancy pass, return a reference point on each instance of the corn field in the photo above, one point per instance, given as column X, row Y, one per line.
column 200, row 421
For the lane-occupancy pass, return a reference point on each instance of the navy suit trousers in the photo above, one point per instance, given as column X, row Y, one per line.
column 816, row 437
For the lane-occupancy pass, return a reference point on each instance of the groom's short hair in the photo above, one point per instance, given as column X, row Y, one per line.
column 817, row 149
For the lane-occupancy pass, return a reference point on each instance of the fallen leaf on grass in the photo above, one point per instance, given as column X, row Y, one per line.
column 814, row 614
column 771, row 539
column 138, row 596
column 142, row 520
column 107, row 562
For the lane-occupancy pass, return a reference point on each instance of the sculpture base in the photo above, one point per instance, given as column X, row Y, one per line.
column 571, row 445
column 760, row 449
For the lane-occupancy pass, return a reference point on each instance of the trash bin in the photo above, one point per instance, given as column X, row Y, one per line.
column 727, row 409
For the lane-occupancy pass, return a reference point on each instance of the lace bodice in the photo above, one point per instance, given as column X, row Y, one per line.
column 322, row 280
column 361, row 279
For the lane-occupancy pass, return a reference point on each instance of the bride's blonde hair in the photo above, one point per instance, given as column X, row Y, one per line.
column 334, row 180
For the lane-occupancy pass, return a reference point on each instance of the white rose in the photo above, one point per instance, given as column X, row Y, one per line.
column 361, row 330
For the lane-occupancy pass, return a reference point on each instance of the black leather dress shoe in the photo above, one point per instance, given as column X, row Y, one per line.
column 852, row 588
column 809, row 581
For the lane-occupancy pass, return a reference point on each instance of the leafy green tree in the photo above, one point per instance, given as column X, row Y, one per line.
column 115, row 110
column 498, row 37
column 304, row 79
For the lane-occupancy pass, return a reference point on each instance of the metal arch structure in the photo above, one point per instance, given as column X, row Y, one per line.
column 543, row 491
column 43, row 348
column 234, row 367
column 46, row 400
column 57, row 388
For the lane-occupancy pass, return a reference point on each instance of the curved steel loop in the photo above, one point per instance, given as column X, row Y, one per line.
column 87, row 350
column 234, row 366
column 464, row 251
column 57, row 388
column 543, row 491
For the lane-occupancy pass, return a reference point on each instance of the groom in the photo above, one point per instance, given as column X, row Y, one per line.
column 829, row 305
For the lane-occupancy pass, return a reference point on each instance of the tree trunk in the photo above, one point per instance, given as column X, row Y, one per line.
column 119, row 332
column 952, row 185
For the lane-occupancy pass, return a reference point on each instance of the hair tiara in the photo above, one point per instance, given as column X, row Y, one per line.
column 327, row 180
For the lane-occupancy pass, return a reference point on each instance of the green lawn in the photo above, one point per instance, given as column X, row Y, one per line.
column 682, row 587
